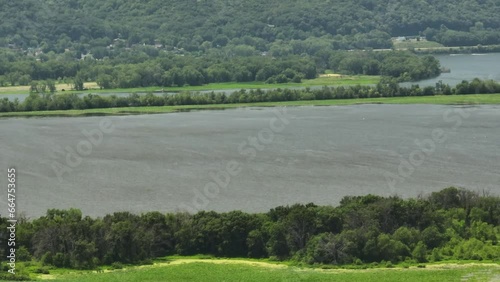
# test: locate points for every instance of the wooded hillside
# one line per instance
(198, 24)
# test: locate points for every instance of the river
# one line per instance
(205, 160)
(465, 67)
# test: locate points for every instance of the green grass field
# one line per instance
(250, 270)
(417, 44)
(440, 100)
(320, 81)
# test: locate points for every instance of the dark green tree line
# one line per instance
(451, 224)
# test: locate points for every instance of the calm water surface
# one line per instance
(466, 67)
(163, 162)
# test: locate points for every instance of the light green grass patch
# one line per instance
(417, 44)
(241, 270)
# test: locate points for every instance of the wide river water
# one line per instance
(164, 162)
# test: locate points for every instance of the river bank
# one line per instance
(477, 99)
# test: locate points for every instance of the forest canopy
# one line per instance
(199, 24)
(130, 44)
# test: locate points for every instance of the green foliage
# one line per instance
(117, 265)
(42, 270)
(243, 26)
(277, 244)
(361, 229)
(47, 259)
(436, 255)
(387, 88)
(390, 249)
(408, 236)
(432, 237)
(23, 254)
(141, 67)
(420, 252)
(78, 83)
(327, 248)
(59, 260)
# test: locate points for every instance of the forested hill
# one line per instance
(197, 24)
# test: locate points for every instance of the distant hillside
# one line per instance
(200, 24)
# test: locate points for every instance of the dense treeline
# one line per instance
(195, 25)
(474, 36)
(142, 68)
(387, 88)
(450, 224)
(459, 50)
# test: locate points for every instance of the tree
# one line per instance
(78, 83)
(105, 81)
(420, 252)
(432, 237)
(13, 78)
(192, 76)
(328, 248)
(161, 233)
(408, 236)
(390, 249)
(83, 255)
(277, 244)
(256, 244)
(483, 232)
(23, 254)
(299, 224)
(51, 85)
(24, 79)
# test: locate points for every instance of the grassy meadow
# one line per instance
(193, 269)
(23, 89)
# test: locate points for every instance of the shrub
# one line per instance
(23, 254)
(420, 252)
(47, 259)
(42, 270)
(147, 262)
(436, 255)
(58, 260)
(116, 265)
